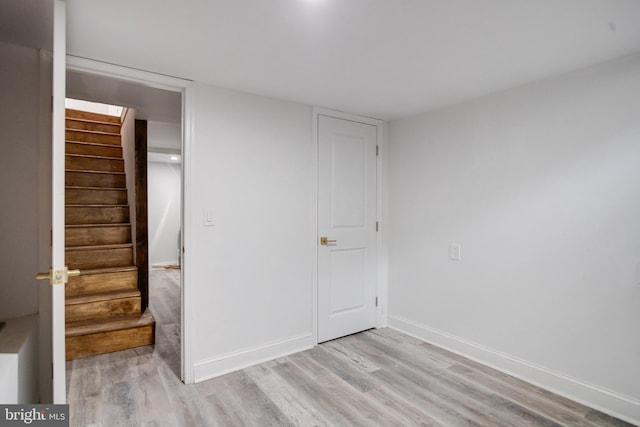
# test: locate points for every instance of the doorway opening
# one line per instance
(161, 110)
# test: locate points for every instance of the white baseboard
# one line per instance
(234, 361)
(607, 401)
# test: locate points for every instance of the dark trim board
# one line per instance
(142, 226)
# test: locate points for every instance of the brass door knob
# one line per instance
(324, 241)
(57, 277)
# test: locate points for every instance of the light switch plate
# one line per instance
(209, 218)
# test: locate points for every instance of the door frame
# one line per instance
(381, 284)
(187, 89)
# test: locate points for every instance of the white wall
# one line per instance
(94, 107)
(128, 142)
(164, 135)
(250, 277)
(19, 133)
(164, 183)
(163, 186)
(541, 187)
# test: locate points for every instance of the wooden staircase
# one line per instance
(103, 305)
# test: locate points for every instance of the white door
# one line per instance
(57, 179)
(347, 252)
(51, 309)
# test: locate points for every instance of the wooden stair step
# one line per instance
(93, 149)
(89, 338)
(102, 305)
(97, 234)
(95, 195)
(96, 214)
(94, 117)
(95, 179)
(102, 280)
(92, 136)
(88, 257)
(93, 163)
(93, 125)
(95, 297)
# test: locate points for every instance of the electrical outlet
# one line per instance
(455, 252)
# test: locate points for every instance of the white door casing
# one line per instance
(187, 88)
(347, 213)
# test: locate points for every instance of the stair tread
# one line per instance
(99, 247)
(101, 296)
(92, 171)
(91, 156)
(75, 205)
(88, 142)
(80, 119)
(103, 270)
(78, 187)
(84, 327)
(117, 224)
(94, 132)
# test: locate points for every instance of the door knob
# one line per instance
(57, 277)
(324, 241)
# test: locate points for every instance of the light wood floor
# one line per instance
(375, 378)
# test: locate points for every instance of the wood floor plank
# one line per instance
(566, 405)
(338, 390)
(360, 381)
(286, 398)
(377, 378)
(320, 394)
(249, 402)
(351, 357)
(410, 414)
(489, 404)
(528, 400)
(423, 392)
(188, 407)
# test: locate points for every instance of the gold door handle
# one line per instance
(58, 277)
(43, 276)
(324, 241)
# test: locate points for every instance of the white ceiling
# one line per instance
(149, 103)
(381, 58)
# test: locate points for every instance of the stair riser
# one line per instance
(87, 179)
(92, 236)
(107, 342)
(92, 196)
(103, 282)
(96, 117)
(85, 136)
(94, 164)
(77, 215)
(102, 309)
(99, 258)
(93, 149)
(92, 126)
